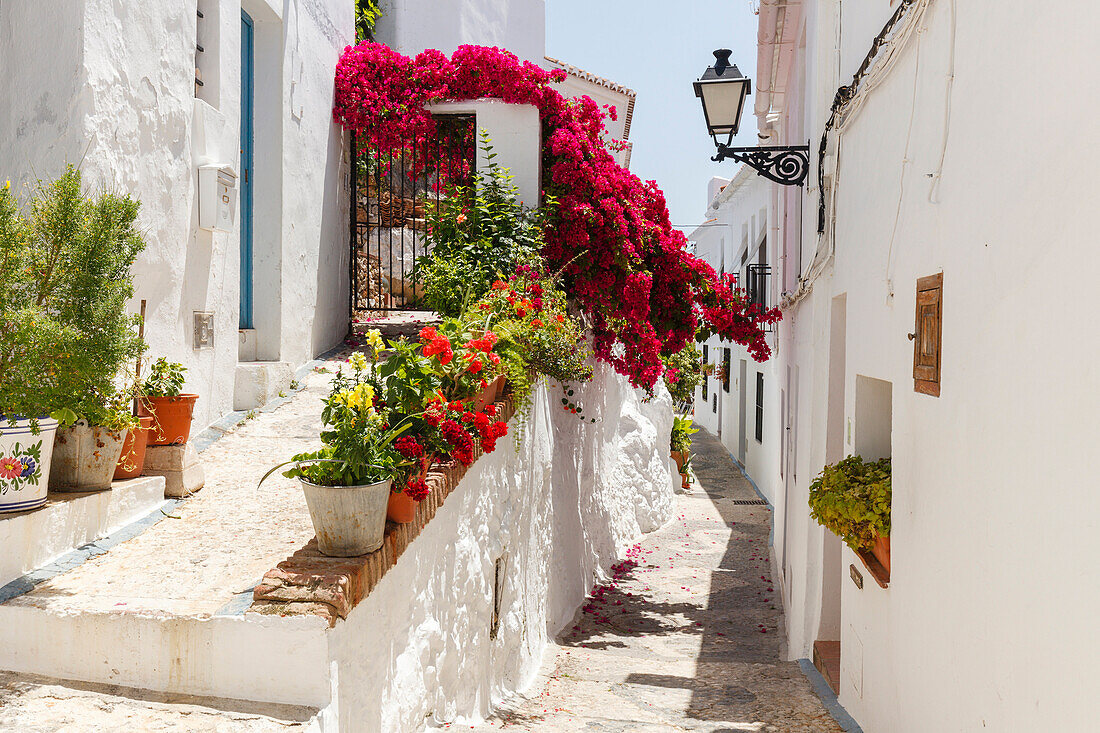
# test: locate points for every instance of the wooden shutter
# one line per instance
(927, 331)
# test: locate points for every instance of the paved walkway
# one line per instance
(219, 543)
(686, 636)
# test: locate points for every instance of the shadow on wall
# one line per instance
(332, 318)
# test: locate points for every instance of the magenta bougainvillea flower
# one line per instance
(624, 264)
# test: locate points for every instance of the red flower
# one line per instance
(475, 366)
(560, 317)
(407, 446)
(417, 489)
(499, 285)
(536, 323)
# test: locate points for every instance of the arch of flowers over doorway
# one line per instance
(624, 264)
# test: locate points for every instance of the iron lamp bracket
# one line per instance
(784, 164)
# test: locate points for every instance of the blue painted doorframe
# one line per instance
(247, 76)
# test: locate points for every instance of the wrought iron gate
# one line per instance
(395, 191)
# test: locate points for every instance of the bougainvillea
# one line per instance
(624, 264)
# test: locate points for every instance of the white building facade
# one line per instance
(738, 401)
(938, 318)
(155, 100)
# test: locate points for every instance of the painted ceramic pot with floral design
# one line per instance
(25, 457)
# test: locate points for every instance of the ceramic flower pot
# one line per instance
(85, 457)
(401, 509)
(25, 460)
(349, 520)
(172, 418)
(132, 460)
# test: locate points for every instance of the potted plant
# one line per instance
(87, 452)
(66, 280)
(682, 430)
(852, 500)
(171, 410)
(347, 481)
(410, 386)
(31, 352)
(131, 462)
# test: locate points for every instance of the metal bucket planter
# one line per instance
(84, 458)
(25, 463)
(349, 520)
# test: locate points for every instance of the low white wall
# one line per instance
(561, 509)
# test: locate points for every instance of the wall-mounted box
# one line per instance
(217, 197)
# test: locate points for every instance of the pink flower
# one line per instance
(10, 468)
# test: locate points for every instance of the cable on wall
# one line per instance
(880, 59)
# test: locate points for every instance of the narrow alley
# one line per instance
(686, 635)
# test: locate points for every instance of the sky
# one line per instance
(658, 49)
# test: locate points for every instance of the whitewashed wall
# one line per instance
(561, 509)
(736, 223)
(988, 622)
(410, 26)
(110, 86)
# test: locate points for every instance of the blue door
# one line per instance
(247, 75)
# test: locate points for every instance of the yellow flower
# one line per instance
(358, 361)
(362, 398)
(341, 397)
(7, 185)
(374, 339)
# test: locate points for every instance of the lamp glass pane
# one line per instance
(723, 103)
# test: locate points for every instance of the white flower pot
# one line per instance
(84, 458)
(24, 486)
(349, 520)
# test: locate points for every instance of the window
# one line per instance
(926, 335)
(759, 407)
(714, 408)
(726, 371)
(706, 379)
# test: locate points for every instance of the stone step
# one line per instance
(34, 703)
(36, 538)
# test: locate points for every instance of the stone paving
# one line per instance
(686, 636)
(218, 544)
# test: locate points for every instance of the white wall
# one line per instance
(410, 26)
(110, 86)
(561, 509)
(736, 223)
(988, 620)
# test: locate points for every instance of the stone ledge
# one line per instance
(309, 583)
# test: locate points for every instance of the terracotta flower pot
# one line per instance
(132, 460)
(680, 456)
(401, 509)
(881, 551)
(172, 418)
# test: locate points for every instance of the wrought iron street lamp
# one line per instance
(722, 90)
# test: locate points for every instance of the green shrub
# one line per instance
(682, 429)
(65, 335)
(165, 379)
(476, 235)
(852, 500)
(684, 374)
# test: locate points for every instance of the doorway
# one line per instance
(826, 656)
(742, 441)
(247, 141)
